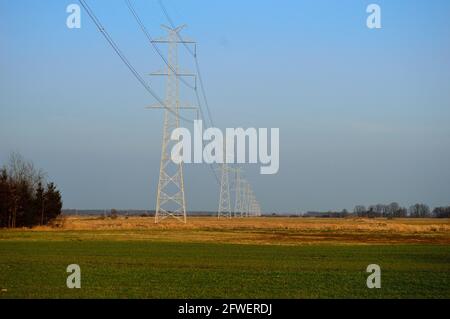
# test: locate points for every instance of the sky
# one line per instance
(363, 113)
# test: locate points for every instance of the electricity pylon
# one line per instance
(238, 198)
(224, 197)
(170, 200)
(253, 206)
(249, 200)
(246, 203)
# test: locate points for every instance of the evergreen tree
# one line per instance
(39, 204)
(53, 203)
(23, 200)
(4, 198)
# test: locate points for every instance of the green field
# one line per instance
(152, 269)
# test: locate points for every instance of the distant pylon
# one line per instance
(170, 200)
(224, 198)
(238, 198)
(246, 202)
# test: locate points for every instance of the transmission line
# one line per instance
(155, 47)
(194, 54)
(224, 181)
(158, 51)
(124, 59)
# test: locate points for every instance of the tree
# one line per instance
(391, 210)
(5, 197)
(25, 214)
(53, 203)
(23, 200)
(376, 210)
(39, 203)
(401, 212)
(441, 212)
(344, 213)
(360, 211)
(20, 170)
(419, 211)
(114, 214)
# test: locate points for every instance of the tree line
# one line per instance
(26, 199)
(392, 210)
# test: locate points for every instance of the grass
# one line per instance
(267, 231)
(269, 262)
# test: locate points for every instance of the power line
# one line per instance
(194, 54)
(199, 74)
(202, 86)
(124, 59)
(136, 74)
(158, 51)
(155, 47)
(203, 89)
(170, 200)
(172, 25)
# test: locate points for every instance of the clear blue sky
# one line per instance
(363, 114)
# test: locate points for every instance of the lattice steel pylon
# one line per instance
(246, 196)
(170, 200)
(238, 198)
(224, 197)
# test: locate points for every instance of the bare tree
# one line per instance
(442, 212)
(20, 170)
(359, 210)
(392, 209)
(378, 210)
(24, 200)
(419, 210)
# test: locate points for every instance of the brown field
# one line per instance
(265, 230)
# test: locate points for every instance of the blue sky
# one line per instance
(363, 114)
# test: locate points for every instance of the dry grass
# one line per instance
(323, 224)
(268, 230)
